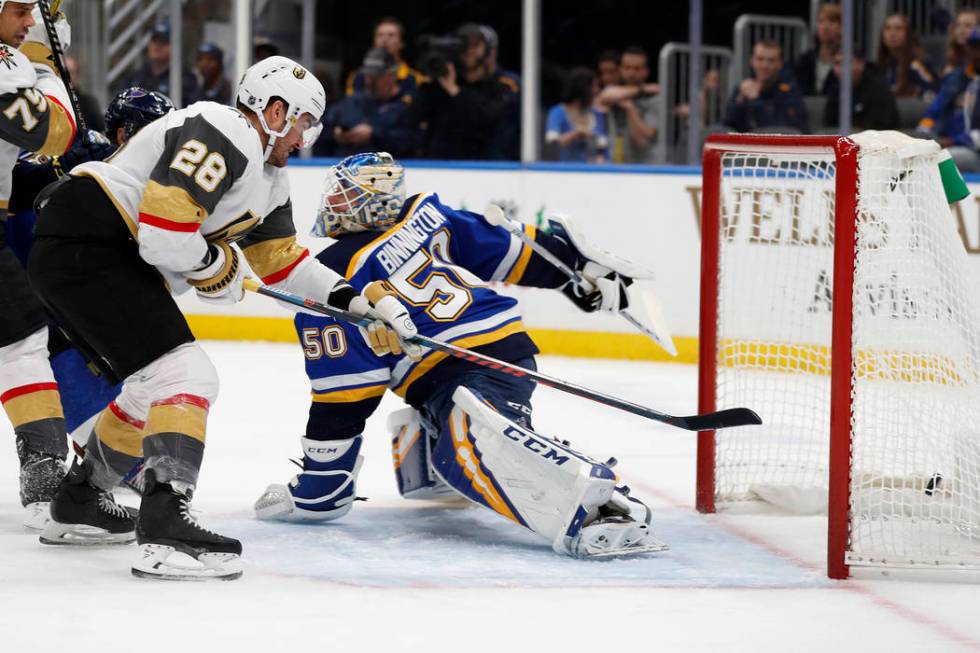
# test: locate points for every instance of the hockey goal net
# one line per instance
(838, 302)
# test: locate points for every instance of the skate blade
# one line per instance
(625, 541)
(37, 515)
(162, 562)
(654, 547)
(82, 535)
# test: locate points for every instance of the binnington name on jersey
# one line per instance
(403, 244)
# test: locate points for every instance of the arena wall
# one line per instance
(648, 214)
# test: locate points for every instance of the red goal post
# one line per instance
(809, 358)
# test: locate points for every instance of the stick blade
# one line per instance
(722, 419)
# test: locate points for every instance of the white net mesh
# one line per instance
(915, 492)
(774, 320)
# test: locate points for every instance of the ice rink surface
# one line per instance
(412, 576)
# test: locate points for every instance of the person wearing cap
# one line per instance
(508, 139)
(953, 117)
(155, 73)
(374, 118)
(215, 87)
(389, 34)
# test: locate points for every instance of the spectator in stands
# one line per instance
(155, 73)
(900, 58)
(953, 118)
(211, 68)
(375, 118)
(90, 107)
(608, 69)
(462, 109)
(712, 102)
(264, 48)
(574, 126)
(873, 105)
(813, 68)
(959, 31)
(508, 139)
(769, 98)
(389, 34)
(633, 108)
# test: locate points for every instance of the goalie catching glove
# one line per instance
(392, 326)
(600, 288)
(219, 277)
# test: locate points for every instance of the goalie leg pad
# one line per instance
(411, 450)
(323, 491)
(530, 479)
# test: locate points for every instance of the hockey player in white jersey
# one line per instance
(35, 115)
(469, 430)
(176, 208)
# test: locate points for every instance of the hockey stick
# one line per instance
(495, 216)
(707, 422)
(48, 13)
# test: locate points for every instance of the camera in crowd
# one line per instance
(438, 52)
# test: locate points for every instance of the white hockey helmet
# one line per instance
(21, 2)
(281, 77)
(364, 192)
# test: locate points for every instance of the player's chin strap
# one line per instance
(273, 135)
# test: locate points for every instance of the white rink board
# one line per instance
(650, 217)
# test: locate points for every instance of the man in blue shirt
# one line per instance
(769, 98)
(374, 118)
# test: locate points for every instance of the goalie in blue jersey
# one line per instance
(468, 429)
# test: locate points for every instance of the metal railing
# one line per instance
(128, 24)
(793, 34)
(674, 68)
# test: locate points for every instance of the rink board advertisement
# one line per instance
(651, 216)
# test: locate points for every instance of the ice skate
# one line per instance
(40, 474)
(83, 514)
(173, 546)
(616, 531)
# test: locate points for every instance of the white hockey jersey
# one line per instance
(35, 113)
(196, 176)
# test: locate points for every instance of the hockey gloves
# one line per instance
(218, 280)
(391, 326)
(601, 289)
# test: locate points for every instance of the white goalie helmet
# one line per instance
(364, 192)
(284, 78)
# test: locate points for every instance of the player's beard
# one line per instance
(280, 154)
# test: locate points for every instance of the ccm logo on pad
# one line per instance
(540, 447)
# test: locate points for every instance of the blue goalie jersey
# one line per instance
(439, 260)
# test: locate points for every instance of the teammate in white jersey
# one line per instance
(175, 208)
(35, 115)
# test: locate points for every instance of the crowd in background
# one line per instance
(901, 88)
(459, 103)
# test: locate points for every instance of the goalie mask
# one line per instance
(283, 78)
(364, 192)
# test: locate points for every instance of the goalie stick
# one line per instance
(48, 13)
(706, 422)
(495, 216)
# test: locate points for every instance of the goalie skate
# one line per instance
(616, 533)
(165, 562)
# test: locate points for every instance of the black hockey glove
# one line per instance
(602, 290)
